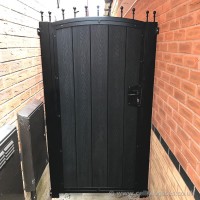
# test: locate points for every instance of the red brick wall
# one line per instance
(176, 105)
(165, 181)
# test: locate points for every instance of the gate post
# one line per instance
(55, 159)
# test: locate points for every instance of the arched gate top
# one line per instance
(100, 21)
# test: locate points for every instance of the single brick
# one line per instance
(188, 87)
(185, 112)
(193, 104)
(185, 47)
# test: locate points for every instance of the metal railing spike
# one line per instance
(133, 10)
(49, 16)
(98, 11)
(154, 15)
(86, 11)
(109, 10)
(121, 8)
(41, 12)
(74, 12)
(63, 13)
(147, 15)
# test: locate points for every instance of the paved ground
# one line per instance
(102, 196)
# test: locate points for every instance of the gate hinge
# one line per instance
(38, 31)
(157, 30)
(33, 195)
(50, 193)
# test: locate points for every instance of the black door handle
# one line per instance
(134, 95)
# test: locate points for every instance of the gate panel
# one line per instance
(81, 50)
(98, 133)
(116, 73)
(133, 68)
(66, 80)
(99, 65)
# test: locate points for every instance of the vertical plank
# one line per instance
(66, 82)
(133, 53)
(99, 54)
(81, 48)
(116, 70)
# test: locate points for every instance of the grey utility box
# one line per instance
(33, 143)
(11, 186)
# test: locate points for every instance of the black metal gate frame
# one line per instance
(52, 101)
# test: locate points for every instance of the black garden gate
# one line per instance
(98, 80)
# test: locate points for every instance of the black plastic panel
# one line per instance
(11, 186)
(116, 79)
(97, 140)
(33, 143)
(99, 65)
(66, 78)
(81, 48)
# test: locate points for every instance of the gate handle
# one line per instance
(134, 95)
